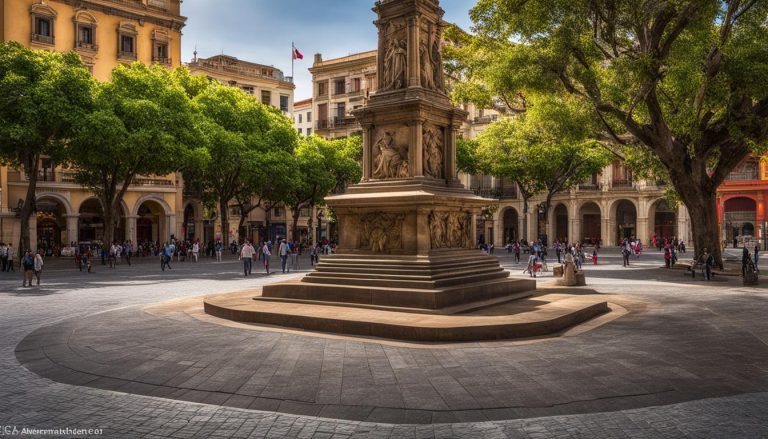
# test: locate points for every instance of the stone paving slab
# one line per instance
(29, 400)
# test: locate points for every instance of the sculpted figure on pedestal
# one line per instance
(437, 229)
(433, 151)
(395, 61)
(390, 161)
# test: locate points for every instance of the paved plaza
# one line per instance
(689, 359)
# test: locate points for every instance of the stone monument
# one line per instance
(410, 213)
(407, 266)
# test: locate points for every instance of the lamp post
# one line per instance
(320, 216)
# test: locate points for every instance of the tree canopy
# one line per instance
(43, 95)
(686, 80)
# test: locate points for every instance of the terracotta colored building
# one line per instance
(741, 203)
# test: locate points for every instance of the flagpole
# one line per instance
(293, 59)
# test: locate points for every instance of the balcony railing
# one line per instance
(336, 122)
(127, 55)
(86, 46)
(590, 187)
(743, 176)
(161, 60)
(496, 192)
(486, 119)
(622, 183)
(45, 39)
(152, 182)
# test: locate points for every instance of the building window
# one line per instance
(341, 110)
(277, 212)
(309, 116)
(42, 31)
(85, 36)
(266, 97)
(338, 87)
(161, 53)
(126, 41)
(300, 118)
(299, 131)
(309, 132)
(356, 83)
(284, 103)
(322, 89)
(248, 90)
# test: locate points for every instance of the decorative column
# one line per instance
(417, 151)
(414, 65)
(366, 153)
(130, 226)
(170, 227)
(72, 229)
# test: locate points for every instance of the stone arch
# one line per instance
(623, 219)
(590, 217)
(663, 216)
(510, 223)
(192, 220)
(150, 197)
(90, 222)
(52, 213)
(59, 198)
(740, 218)
(85, 17)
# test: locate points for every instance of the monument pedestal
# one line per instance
(407, 231)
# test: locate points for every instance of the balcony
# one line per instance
(129, 56)
(322, 97)
(748, 175)
(336, 122)
(153, 182)
(161, 60)
(622, 184)
(81, 45)
(354, 93)
(486, 119)
(43, 39)
(590, 187)
(502, 193)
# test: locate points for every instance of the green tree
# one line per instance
(243, 139)
(322, 166)
(548, 149)
(686, 79)
(42, 95)
(141, 126)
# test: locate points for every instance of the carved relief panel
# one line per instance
(381, 232)
(395, 55)
(433, 151)
(390, 153)
(450, 229)
(430, 57)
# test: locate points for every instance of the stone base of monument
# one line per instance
(435, 298)
(577, 280)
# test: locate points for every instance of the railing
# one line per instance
(153, 182)
(245, 70)
(622, 183)
(496, 192)
(86, 46)
(322, 97)
(161, 60)
(336, 122)
(486, 119)
(126, 55)
(354, 93)
(45, 39)
(743, 176)
(589, 187)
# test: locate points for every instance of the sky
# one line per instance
(261, 31)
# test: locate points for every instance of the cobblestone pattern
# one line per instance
(29, 400)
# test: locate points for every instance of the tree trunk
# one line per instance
(310, 232)
(706, 230)
(224, 213)
(109, 222)
(29, 207)
(295, 225)
(525, 219)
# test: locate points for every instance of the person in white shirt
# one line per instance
(265, 251)
(246, 254)
(38, 266)
(195, 250)
(284, 251)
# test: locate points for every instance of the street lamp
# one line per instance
(320, 216)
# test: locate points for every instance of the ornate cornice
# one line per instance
(170, 21)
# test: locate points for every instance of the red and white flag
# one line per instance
(297, 54)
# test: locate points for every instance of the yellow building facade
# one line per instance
(105, 33)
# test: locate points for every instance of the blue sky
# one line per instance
(262, 30)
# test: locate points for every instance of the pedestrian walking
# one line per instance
(28, 265)
(744, 260)
(11, 252)
(246, 254)
(709, 261)
(195, 250)
(625, 252)
(265, 251)
(757, 252)
(517, 253)
(3, 257)
(219, 246)
(594, 257)
(165, 257)
(284, 251)
(38, 266)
